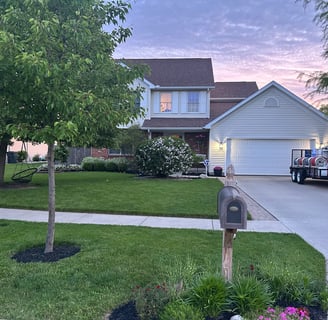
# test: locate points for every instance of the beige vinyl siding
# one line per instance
(255, 121)
(216, 155)
(287, 121)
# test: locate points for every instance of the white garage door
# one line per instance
(264, 157)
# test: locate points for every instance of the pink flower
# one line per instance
(291, 310)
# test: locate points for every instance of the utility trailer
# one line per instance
(307, 163)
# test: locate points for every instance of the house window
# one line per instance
(193, 101)
(137, 103)
(166, 102)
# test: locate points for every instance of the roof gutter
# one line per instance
(157, 87)
(173, 128)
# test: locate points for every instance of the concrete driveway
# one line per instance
(301, 208)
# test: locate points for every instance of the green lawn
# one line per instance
(113, 260)
(117, 193)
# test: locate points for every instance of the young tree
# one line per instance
(69, 88)
(129, 139)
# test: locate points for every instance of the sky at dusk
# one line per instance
(248, 40)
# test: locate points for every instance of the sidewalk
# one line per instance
(133, 220)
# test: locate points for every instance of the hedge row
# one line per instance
(98, 164)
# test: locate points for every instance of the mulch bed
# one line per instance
(125, 311)
(37, 254)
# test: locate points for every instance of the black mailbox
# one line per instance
(232, 209)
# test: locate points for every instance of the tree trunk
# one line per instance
(51, 199)
(3, 151)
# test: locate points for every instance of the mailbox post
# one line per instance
(232, 210)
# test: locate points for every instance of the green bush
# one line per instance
(36, 157)
(93, 164)
(197, 161)
(164, 156)
(289, 288)
(132, 167)
(99, 164)
(324, 299)
(209, 295)
(22, 155)
(110, 166)
(87, 164)
(61, 153)
(121, 164)
(247, 294)
(179, 310)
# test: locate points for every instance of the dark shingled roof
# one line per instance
(217, 108)
(163, 123)
(190, 72)
(226, 90)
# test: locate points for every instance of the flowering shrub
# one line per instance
(289, 313)
(150, 300)
(164, 156)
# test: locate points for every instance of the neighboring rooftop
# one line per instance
(182, 72)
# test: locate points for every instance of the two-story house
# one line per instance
(177, 99)
(228, 122)
(181, 97)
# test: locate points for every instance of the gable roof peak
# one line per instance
(261, 91)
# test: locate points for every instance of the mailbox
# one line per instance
(232, 209)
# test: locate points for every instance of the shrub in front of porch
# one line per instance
(163, 156)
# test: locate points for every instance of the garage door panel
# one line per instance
(263, 157)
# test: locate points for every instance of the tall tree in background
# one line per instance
(8, 98)
(68, 88)
(319, 80)
(324, 109)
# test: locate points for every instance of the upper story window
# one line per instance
(193, 102)
(166, 102)
(137, 102)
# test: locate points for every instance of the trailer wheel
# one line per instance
(300, 177)
(293, 175)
